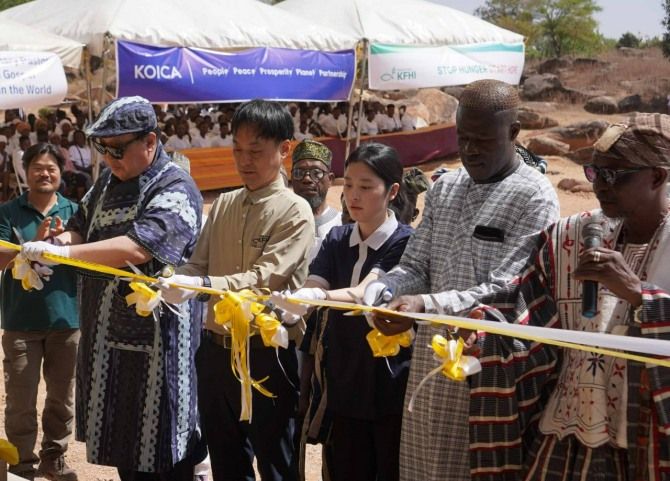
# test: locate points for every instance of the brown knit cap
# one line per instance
(643, 139)
(490, 95)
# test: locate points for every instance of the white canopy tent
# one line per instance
(214, 24)
(16, 36)
(417, 44)
(400, 22)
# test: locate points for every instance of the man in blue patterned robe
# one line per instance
(136, 381)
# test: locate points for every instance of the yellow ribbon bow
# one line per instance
(235, 311)
(385, 346)
(454, 365)
(144, 298)
(272, 332)
(8, 452)
(30, 277)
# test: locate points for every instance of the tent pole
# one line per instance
(350, 119)
(105, 54)
(364, 78)
(87, 76)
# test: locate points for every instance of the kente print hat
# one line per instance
(312, 150)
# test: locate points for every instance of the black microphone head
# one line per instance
(592, 233)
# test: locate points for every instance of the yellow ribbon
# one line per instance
(144, 298)
(30, 274)
(385, 346)
(271, 330)
(235, 311)
(8, 452)
(455, 365)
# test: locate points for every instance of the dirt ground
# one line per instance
(559, 168)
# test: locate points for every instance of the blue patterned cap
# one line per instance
(124, 115)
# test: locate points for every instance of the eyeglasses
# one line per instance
(119, 151)
(315, 174)
(611, 176)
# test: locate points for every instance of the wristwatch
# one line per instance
(203, 296)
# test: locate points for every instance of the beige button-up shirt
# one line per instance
(256, 239)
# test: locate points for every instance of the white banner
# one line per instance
(31, 79)
(398, 67)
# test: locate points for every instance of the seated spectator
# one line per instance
(407, 122)
(302, 132)
(333, 124)
(390, 122)
(224, 139)
(80, 153)
(368, 124)
(202, 139)
(180, 140)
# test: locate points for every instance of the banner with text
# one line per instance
(191, 75)
(394, 67)
(31, 79)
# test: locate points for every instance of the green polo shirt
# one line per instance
(55, 306)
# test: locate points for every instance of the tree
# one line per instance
(551, 27)
(514, 15)
(628, 40)
(568, 26)
(5, 4)
(665, 43)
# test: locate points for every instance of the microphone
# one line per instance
(592, 233)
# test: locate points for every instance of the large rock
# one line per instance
(587, 62)
(601, 105)
(533, 121)
(579, 135)
(631, 103)
(574, 185)
(544, 145)
(541, 87)
(440, 106)
(553, 65)
(539, 107)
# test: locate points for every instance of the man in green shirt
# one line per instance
(40, 326)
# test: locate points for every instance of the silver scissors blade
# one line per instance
(18, 235)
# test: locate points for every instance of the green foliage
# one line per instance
(665, 43)
(552, 27)
(628, 40)
(5, 4)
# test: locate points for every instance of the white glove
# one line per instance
(33, 251)
(178, 295)
(310, 294)
(291, 312)
(376, 294)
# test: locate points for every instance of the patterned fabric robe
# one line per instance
(136, 399)
(448, 257)
(518, 377)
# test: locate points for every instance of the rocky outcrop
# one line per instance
(541, 87)
(544, 145)
(533, 121)
(602, 105)
(579, 135)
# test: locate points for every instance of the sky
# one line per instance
(641, 17)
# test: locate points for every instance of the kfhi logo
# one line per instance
(399, 74)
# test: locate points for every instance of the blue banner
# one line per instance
(191, 75)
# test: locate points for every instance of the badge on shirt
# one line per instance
(260, 241)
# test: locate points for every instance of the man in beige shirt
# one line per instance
(257, 236)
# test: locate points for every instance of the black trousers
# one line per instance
(365, 450)
(270, 435)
